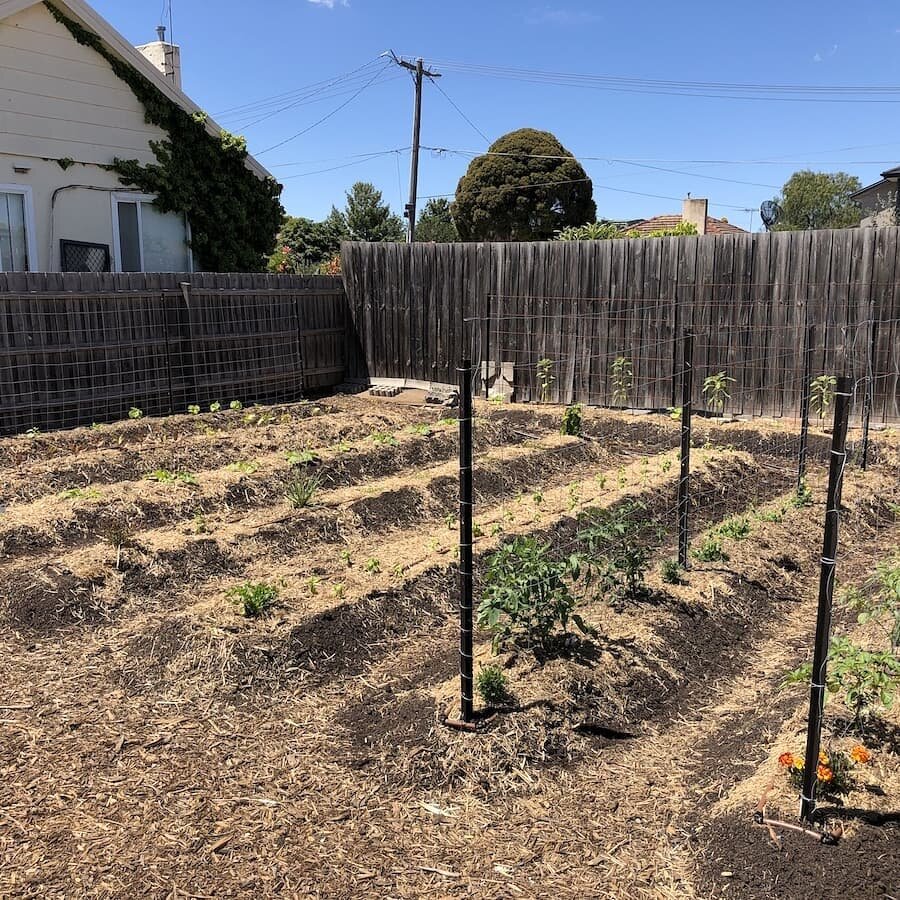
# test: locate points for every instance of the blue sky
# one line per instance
(245, 54)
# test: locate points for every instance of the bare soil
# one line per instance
(154, 742)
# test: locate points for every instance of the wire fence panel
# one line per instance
(88, 347)
(749, 298)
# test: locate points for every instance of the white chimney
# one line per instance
(164, 56)
(695, 211)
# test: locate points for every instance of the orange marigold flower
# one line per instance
(824, 774)
(860, 754)
(823, 758)
(786, 760)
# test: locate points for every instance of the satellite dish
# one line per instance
(770, 213)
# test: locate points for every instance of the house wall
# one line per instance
(62, 101)
(879, 206)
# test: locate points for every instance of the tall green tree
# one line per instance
(311, 243)
(436, 222)
(366, 217)
(527, 187)
(818, 200)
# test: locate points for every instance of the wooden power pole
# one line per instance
(420, 73)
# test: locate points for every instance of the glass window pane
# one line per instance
(165, 240)
(129, 238)
(13, 246)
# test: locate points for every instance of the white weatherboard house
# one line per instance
(64, 115)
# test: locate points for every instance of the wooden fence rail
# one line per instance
(418, 309)
(80, 348)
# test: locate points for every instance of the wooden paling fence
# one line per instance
(80, 348)
(750, 299)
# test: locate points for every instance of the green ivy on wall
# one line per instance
(234, 215)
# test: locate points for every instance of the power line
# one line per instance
(324, 118)
(467, 119)
(716, 90)
(347, 165)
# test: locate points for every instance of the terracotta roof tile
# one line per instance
(658, 223)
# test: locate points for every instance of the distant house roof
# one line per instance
(665, 222)
(889, 176)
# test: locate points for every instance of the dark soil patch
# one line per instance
(864, 864)
(149, 653)
(50, 600)
(391, 509)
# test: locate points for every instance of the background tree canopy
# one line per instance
(436, 222)
(523, 196)
(367, 218)
(818, 200)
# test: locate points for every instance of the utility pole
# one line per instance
(420, 72)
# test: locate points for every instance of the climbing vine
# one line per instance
(234, 215)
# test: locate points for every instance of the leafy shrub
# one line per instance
(671, 571)
(616, 558)
(715, 389)
(711, 551)
(573, 420)
(622, 375)
(301, 489)
(546, 378)
(867, 680)
(821, 394)
(527, 594)
(254, 598)
(736, 528)
(491, 685)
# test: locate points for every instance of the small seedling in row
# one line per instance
(135, 413)
(537, 498)
(32, 432)
(194, 410)
(303, 457)
(384, 438)
(497, 399)
(574, 495)
(200, 525)
(496, 529)
(623, 478)
(312, 584)
(81, 494)
(164, 476)
(737, 528)
(545, 378)
(675, 413)
(711, 551)
(715, 389)
(601, 480)
(96, 426)
(338, 591)
(399, 570)
(491, 685)
(771, 515)
(372, 566)
(573, 420)
(343, 447)
(803, 497)
(671, 571)
(347, 558)
(622, 374)
(477, 531)
(215, 406)
(666, 465)
(451, 521)
(244, 466)
(422, 429)
(236, 405)
(253, 598)
(448, 422)
(301, 489)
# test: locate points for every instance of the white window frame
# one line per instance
(31, 247)
(129, 197)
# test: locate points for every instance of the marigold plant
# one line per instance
(834, 771)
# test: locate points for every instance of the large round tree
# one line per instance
(525, 188)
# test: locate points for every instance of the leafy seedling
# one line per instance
(491, 685)
(236, 405)
(301, 489)
(254, 598)
(372, 566)
(545, 378)
(736, 528)
(303, 457)
(715, 390)
(711, 551)
(573, 420)
(194, 410)
(215, 406)
(671, 571)
(384, 438)
(244, 466)
(135, 413)
(622, 375)
(821, 394)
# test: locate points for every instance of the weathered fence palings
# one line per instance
(79, 348)
(581, 304)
